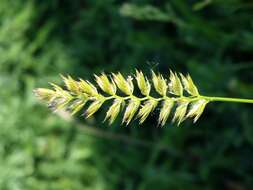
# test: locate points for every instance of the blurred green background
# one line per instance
(210, 39)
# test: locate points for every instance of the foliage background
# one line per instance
(212, 40)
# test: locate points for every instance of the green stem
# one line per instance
(224, 99)
(150, 97)
(191, 99)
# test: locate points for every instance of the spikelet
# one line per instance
(124, 85)
(143, 83)
(189, 86)
(88, 88)
(175, 85)
(77, 105)
(146, 109)
(113, 111)
(160, 84)
(165, 111)
(44, 94)
(180, 112)
(93, 108)
(197, 109)
(171, 94)
(105, 84)
(70, 84)
(131, 109)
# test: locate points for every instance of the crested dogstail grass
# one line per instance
(178, 92)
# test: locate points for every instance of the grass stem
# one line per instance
(224, 99)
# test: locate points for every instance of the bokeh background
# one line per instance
(210, 39)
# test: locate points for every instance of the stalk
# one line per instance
(225, 99)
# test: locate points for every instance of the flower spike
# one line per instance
(177, 93)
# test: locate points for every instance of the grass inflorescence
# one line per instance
(177, 94)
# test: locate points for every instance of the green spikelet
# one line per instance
(178, 93)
